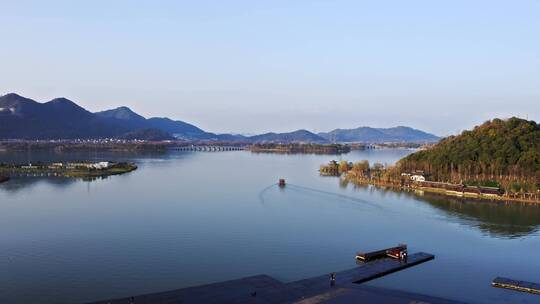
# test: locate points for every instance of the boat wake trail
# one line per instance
(263, 191)
(338, 195)
(303, 189)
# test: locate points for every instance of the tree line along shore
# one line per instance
(301, 148)
(61, 146)
(362, 173)
(116, 145)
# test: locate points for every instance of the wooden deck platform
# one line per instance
(263, 289)
(365, 272)
(379, 268)
(516, 285)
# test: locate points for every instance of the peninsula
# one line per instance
(499, 159)
(69, 169)
(300, 148)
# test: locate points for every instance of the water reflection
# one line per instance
(509, 220)
(15, 185)
(332, 195)
(499, 219)
(18, 184)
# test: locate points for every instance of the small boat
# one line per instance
(281, 182)
(4, 179)
(398, 252)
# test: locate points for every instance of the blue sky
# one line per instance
(256, 66)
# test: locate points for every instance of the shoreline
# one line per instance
(66, 147)
(330, 149)
(80, 170)
(418, 190)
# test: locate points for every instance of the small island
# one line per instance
(66, 169)
(499, 160)
(300, 148)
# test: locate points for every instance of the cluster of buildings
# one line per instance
(80, 165)
(419, 179)
(98, 166)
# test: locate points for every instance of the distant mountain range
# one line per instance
(295, 136)
(60, 118)
(125, 117)
(379, 135)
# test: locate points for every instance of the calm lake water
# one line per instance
(188, 218)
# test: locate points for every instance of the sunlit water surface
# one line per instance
(188, 218)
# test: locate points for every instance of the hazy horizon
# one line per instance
(246, 67)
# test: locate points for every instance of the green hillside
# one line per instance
(503, 152)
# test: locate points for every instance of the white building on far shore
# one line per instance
(418, 178)
(101, 165)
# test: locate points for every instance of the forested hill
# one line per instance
(506, 151)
